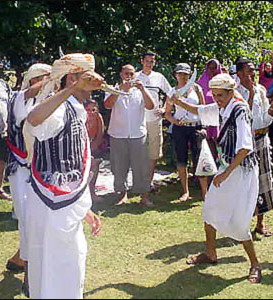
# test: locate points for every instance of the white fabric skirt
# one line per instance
(18, 183)
(230, 207)
(56, 248)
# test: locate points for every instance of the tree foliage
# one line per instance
(118, 31)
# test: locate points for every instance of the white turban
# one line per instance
(67, 64)
(222, 81)
(35, 70)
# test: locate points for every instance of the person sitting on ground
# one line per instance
(95, 129)
(186, 128)
(231, 199)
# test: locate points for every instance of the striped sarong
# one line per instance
(265, 197)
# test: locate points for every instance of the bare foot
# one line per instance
(185, 197)
(122, 198)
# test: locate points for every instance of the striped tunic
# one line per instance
(15, 140)
(61, 164)
(228, 137)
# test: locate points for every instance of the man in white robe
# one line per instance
(20, 103)
(58, 193)
(231, 199)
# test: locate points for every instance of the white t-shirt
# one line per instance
(182, 114)
(261, 118)
(128, 116)
(152, 81)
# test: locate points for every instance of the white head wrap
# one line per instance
(67, 64)
(222, 81)
(35, 70)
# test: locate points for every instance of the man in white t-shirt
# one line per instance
(128, 136)
(155, 82)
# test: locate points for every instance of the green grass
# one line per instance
(141, 254)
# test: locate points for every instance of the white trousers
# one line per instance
(18, 183)
(56, 248)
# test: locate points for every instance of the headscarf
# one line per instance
(67, 64)
(204, 79)
(212, 131)
(222, 81)
(35, 70)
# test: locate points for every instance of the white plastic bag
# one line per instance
(206, 165)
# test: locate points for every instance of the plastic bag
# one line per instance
(206, 165)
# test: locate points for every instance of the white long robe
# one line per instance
(18, 180)
(57, 246)
(230, 207)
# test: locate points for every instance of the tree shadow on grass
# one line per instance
(10, 286)
(175, 253)
(164, 202)
(267, 279)
(187, 284)
(7, 223)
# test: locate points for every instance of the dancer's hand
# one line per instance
(218, 179)
(94, 222)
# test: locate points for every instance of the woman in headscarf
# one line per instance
(213, 67)
(266, 71)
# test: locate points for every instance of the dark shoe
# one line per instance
(25, 289)
(255, 274)
(11, 266)
(201, 259)
(265, 232)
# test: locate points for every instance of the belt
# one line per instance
(261, 131)
(190, 124)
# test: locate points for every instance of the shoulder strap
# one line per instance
(228, 122)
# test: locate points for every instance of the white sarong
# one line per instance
(57, 248)
(230, 207)
(18, 183)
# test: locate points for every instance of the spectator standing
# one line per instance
(266, 70)
(155, 82)
(128, 136)
(255, 95)
(187, 128)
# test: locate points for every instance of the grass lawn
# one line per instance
(141, 254)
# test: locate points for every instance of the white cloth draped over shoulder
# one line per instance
(230, 207)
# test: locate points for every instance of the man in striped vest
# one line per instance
(58, 194)
(20, 103)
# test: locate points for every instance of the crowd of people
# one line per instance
(52, 135)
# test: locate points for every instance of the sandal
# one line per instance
(255, 274)
(11, 266)
(265, 232)
(201, 258)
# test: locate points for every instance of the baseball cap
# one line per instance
(182, 68)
